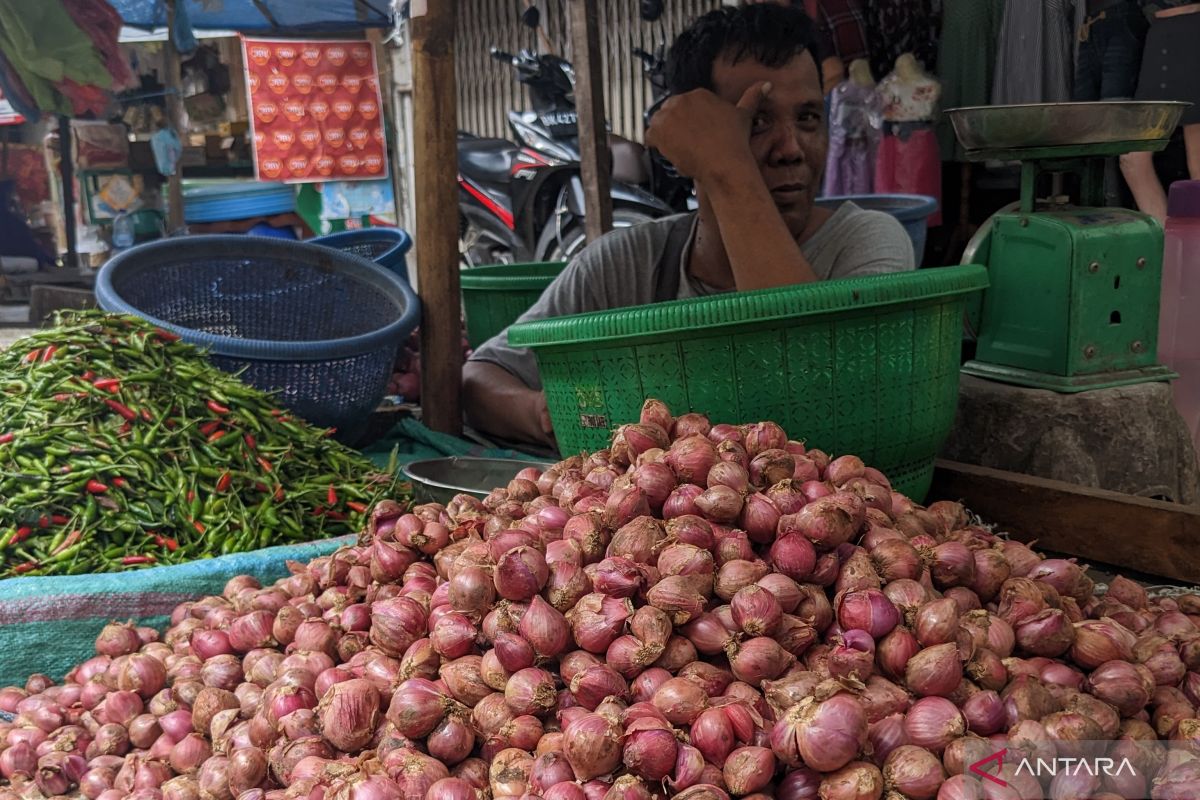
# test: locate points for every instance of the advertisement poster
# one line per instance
(316, 112)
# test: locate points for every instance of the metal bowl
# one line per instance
(1063, 124)
(437, 480)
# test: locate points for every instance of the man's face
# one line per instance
(788, 136)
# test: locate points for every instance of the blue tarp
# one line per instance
(281, 16)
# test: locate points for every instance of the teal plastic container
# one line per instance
(866, 366)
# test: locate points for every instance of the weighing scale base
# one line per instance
(1067, 384)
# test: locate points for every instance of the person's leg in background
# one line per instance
(1191, 140)
(1148, 192)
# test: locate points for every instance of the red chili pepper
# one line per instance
(125, 411)
(87, 376)
(172, 424)
(71, 539)
(207, 428)
(65, 469)
(199, 526)
(166, 541)
(275, 412)
(120, 482)
(224, 481)
(262, 487)
(262, 462)
(49, 353)
(5, 438)
(146, 415)
(106, 384)
(216, 436)
(279, 493)
(360, 508)
(331, 496)
(23, 533)
(337, 516)
(329, 432)
(59, 519)
(126, 428)
(62, 397)
(20, 569)
(43, 521)
(32, 356)
(130, 561)
(96, 487)
(250, 441)
(319, 511)
(166, 336)
(216, 407)
(191, 495)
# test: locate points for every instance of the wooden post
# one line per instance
(173, 81)
(589, 101)
(435, 144)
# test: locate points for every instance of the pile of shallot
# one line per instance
(701, 611)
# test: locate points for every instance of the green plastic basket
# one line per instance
(494, 296)
(866, 366)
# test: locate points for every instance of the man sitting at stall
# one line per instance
(746, 122)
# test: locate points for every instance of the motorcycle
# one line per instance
(525, 202)
(551, 126)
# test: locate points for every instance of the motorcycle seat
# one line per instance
(489, 159)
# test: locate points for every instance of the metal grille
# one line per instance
(488, 90)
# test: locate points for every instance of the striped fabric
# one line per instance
(1036, 53)
(843, 23)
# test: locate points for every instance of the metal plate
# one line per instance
(1063, 124)
(437, 480)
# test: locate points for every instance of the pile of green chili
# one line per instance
(122, 447)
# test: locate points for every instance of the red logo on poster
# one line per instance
(260, 138)
(335, 137)
(260, 54)
(361, 54)
(310, 138)
(284, 138)
(325, 165)
(302, 82)
(255, 81)
(344, 109)
(373, 163)
(266, 110)
(349, 163)
(336, 55)
(360, 137)
(294, 110)
(278, 82)
(298, 165)
(311, 55)
(373, 82)
(271, 167)
(368, 108)
(319, 109)
(377, 134)
(328, 82)
(353, 83)
(286, 54)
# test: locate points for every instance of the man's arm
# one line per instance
(709, 139)
(499, 403)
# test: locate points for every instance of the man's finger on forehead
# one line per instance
(753, 96)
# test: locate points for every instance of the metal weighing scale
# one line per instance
(1074, 294)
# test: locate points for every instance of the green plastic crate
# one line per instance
(494, 296)
(866, 366)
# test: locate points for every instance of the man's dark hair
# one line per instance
(768, 33)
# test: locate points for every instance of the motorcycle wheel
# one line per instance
(476, 248)
(552, 247)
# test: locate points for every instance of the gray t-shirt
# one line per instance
(619, 271)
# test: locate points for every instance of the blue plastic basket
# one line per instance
(912, 210)
(319, 326)
(387, 247)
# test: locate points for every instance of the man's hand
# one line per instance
(701, 133)
(498, 403)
